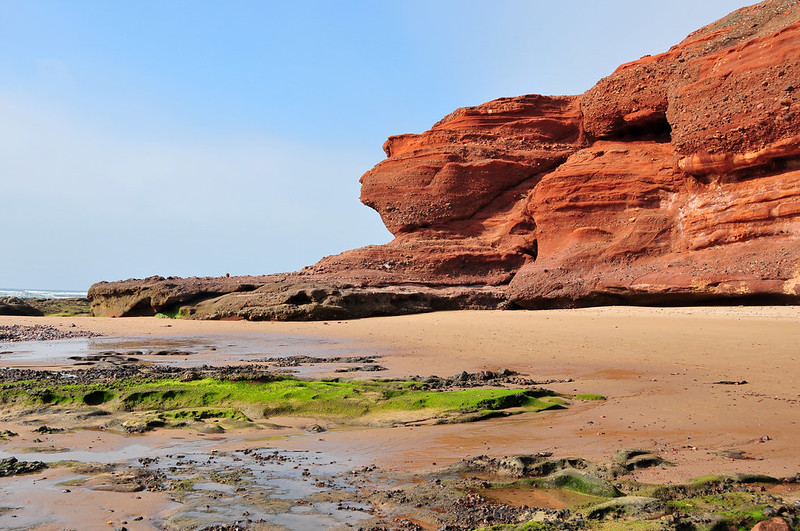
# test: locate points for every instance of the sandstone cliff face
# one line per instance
(676, 179)
(452, 176)
(689, 189)
(455, 196)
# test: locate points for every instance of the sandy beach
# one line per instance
(656, 366)
(712, 390)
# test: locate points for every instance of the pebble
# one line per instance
(14, 333)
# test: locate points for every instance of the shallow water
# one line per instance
(123, 453)
(284, 488)
(28, 354)
(276, 486)
(189, 351)
(535, 497)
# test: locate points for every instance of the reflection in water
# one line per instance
(279, 487)
(292, 489)
(179, 351)
(536, 497)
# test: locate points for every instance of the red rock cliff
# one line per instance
(675, 179)
(689, 190)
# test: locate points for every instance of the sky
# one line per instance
(199, 137)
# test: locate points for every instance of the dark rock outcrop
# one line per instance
(294, 297)
(676, 179)
(134, 297)
(17, 306)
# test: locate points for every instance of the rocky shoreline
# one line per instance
(227, 490)
(206, 467)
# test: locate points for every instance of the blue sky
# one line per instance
(203, 138)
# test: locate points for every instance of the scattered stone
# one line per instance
(93, 374)
(48, 430)
(484, 378)
(363, 368)
(189, 376)
(105, 359)
(15, 333)
(170, 352)
(296, 361)
(138, 425)
(10, 466)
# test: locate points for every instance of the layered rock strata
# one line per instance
(674, 180)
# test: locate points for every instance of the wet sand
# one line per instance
(656, 366)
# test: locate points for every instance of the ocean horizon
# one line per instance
(42, 293)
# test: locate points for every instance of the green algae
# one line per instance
(714, 502)
(708, 503)
(95, 398)
(570, 480)
(588, 397)
(174, 399)
(175, 313)
(705, 485)
(69, 307)
(579, 482)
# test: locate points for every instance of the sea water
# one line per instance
(41, 293)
